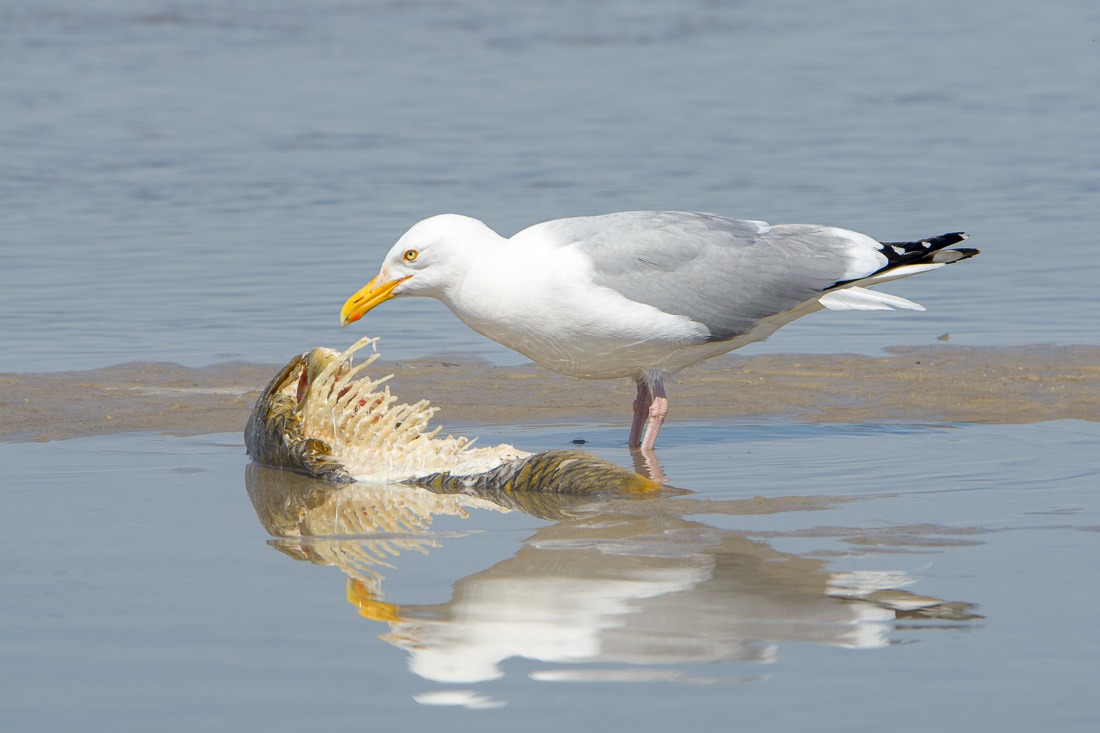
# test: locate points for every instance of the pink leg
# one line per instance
(641, 412)
(658, 408)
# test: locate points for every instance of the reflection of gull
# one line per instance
(709, 596)
(463, 698)
(545, 616)
(637, 586)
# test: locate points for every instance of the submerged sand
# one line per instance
(909, 384)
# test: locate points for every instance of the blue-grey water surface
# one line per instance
(201, 181)
(141, 594)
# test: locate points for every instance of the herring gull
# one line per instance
(642, 294)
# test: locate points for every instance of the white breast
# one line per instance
(542, 303)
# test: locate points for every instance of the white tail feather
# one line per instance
(904, 271)
(861, 299)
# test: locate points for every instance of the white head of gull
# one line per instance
(642, 294)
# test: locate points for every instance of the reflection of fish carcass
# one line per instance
(316, 521)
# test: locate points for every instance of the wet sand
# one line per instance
(909, 384)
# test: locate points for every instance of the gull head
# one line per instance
(429, 257)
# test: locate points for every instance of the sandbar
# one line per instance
(925, 384)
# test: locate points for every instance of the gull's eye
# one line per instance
(410, 255)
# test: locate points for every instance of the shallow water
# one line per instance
(144, 592)
(202, 181)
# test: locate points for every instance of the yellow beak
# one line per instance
(368, 297)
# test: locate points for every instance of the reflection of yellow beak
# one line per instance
(368, 297)
(369, 606)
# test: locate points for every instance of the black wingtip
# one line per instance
(944, 240)
(922, 250)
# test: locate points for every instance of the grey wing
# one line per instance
(726, 274)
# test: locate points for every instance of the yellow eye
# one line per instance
(410, 255)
